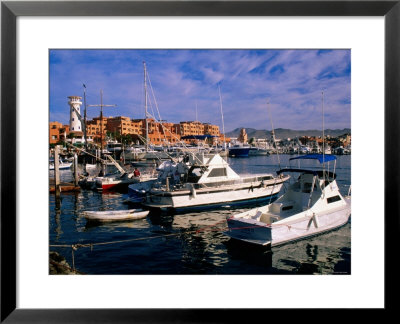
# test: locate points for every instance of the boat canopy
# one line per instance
(314, 172)
(320, 157)
(199, 137)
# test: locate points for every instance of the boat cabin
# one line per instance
(306, 191)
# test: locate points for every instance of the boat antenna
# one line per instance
(196, 111)
(145, 107)
(273, 134)
(84, 115)
(101, 105)
(222, 115)
(323, 138)
(197, 125)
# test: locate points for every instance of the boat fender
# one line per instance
(315, 220)
(193, 191)
(251, 188)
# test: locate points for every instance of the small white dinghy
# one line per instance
(116, 215)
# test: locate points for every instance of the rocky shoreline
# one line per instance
(59, 266)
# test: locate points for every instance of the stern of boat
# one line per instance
(249, 230)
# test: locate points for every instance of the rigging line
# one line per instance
(273, 135)
(174, 136)
(222, 115)
(154, 97)
(155, 102)
(82, 150)
(323, 139)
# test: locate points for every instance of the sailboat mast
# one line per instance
(84, 116)
(197, 124)
(101, 118)
(222, 116)
(273, 134)
(323, 137)
(145, 107)
(101, 121)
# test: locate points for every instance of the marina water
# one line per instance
(189, 243)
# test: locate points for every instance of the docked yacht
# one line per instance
(239, 151)
(311, 205)
(61, 165)
(206, 180)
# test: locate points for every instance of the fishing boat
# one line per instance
(90, 166)
(134, 154)
(61, 165)
(115, 215)
(312, 205)
(116, 181)
(257, 151)
(239, 151)
(202, 180)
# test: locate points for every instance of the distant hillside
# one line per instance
(283, 133)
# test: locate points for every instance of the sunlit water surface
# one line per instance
(189, 243)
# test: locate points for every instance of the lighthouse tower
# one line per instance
(75, 124)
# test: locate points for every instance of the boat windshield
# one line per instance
(194, 174)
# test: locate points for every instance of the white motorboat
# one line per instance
(202, 180)
(256, 151)
(61, 165)
(311, 205)
(90, 166)
(115, 181)
(134, 154)
(116, 215)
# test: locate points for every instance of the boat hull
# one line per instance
(211, 198)
(251, 232)
(239, 152)
(116, 216)
(279, 233)
(114, 184)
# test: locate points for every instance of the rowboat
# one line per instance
(116, 215)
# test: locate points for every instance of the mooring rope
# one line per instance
(74, 247)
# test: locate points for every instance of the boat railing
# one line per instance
(255, 179)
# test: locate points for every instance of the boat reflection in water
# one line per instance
(192, 242)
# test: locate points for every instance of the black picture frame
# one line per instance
(10, 10)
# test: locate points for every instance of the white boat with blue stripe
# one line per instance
(207, 181)
(311, 205)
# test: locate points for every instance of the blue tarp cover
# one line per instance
(319, 157)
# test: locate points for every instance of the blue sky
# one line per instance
(291, 80)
